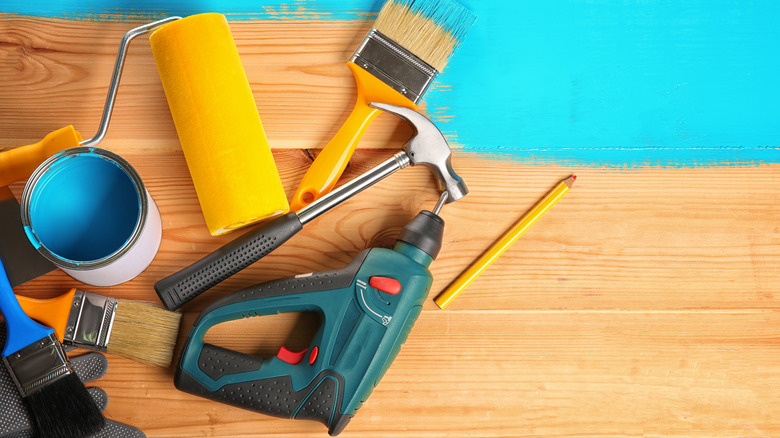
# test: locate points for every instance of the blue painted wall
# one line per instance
(617, 83)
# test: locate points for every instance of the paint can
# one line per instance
(87, 210)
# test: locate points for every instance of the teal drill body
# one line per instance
(366, 311)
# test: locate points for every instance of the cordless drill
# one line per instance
(366, 312)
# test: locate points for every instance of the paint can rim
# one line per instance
(39, 172)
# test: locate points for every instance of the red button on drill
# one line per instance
(388, 285)
(291, 357)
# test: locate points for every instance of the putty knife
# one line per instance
(22, 261)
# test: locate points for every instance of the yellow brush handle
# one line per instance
(327, 168)
(53, 312)
(18, 163)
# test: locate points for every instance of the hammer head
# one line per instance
(429, 147)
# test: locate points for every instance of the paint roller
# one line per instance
(219, 128)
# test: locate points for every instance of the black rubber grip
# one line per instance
(320, 400)
(217, 362)
(178, 289)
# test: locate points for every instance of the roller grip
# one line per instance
(180, 288)
(320, 400)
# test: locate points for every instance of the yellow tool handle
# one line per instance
(327, 168)
(52, 312)
(18, 163)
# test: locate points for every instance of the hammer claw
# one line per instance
(429, 147)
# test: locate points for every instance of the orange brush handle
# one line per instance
(52, 312)
(327, 168)
(6, 194)
(18, 163)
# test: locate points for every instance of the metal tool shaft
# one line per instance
(350, 189)
(442, 199)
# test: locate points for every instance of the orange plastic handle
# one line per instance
(327, 168)
(18, 163)
(6, 194)
(52, 312)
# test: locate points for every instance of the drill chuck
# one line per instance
(426, 232)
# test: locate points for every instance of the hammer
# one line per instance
(427, 146)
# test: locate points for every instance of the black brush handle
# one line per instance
(179, 288)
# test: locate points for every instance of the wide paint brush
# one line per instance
(409, 45)
(58, 402)
(144, 332)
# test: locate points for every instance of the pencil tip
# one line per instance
(574, 177)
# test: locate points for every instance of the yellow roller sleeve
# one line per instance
(219, 128)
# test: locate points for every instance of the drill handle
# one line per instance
(320, 400)
(290, 385)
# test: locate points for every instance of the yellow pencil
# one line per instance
(504, 242)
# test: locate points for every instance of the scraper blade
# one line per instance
(22, 261)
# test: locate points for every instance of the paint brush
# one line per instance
(410, 43)
(141, 331)
(59, 404)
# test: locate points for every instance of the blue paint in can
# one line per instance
(84, 208)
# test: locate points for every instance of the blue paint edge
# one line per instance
(245, 10)
(626, 158)
(235, 10)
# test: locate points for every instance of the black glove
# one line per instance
(15, 420)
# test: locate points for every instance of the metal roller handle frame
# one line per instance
(108, 108)
(18, 163)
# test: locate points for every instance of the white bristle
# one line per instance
(144, 332)
(431, 29)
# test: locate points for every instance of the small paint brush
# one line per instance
(141, 331)
(410, 43)
(58, 402)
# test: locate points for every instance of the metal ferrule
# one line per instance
(90, 321)
(394, 65)
(38, 364)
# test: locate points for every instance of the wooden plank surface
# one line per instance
(645, 303)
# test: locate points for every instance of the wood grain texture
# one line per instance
(645, 303)
(300, 80)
